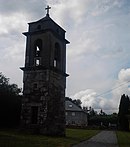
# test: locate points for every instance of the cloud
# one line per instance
(122, 83)
(29, 8)
(89, 97)
(14, 16)
(124, 75)
(104, 6)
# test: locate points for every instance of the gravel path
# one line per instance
(102, 139)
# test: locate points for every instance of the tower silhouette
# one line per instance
(44, 78)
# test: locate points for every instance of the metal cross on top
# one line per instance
(47, 8)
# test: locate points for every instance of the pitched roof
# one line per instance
(48, 20)
(47, 25)
(70, 106)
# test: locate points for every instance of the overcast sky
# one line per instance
(98, 56)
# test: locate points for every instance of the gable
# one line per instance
(70, 106)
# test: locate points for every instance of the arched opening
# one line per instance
(38, 49)
(57, 55)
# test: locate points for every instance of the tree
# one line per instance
(123, 112)
(77, 102)
(10, 103)
(91, 114)
(102, 113)
(6, 88)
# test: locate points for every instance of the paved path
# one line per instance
(103, 139)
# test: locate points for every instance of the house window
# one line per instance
(73, 113)
(70, 105)
(66, 113)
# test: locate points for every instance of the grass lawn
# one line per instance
(13, 138)
(123, 139)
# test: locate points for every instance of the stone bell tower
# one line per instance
(44, 78)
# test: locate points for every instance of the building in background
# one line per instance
(75, 116)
